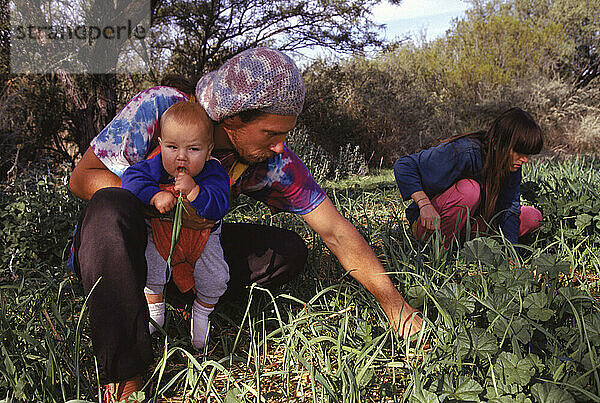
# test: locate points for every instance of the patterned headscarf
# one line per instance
(258, 78)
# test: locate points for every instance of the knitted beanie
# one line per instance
(258, 78)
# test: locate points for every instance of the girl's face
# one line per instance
(516, 160)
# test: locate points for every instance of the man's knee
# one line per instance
(111, 203)
(112, 235)
(297, 254)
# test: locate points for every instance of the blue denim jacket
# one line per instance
(434, 170)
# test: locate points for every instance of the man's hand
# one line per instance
(357, 257)
(163, 201)
(185, 184)
(405, 319)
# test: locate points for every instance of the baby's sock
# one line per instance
(157, 313)
(200, 324)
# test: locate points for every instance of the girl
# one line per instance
(474, 174)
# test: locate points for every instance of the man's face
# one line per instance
(261, 138)
(185, 146)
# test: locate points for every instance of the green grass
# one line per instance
(379, 178)
(494, 330)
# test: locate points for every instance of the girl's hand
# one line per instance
(185, 184)
(430, 219)
(163, 201)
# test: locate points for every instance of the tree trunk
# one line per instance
(93, 107)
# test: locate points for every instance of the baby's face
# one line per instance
(185, 147)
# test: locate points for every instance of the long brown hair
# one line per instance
(514, 130)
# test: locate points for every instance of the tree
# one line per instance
(191, 38)
(579, 20)
(201, 35)
(94, 96)
(42, 113)
(4, 42)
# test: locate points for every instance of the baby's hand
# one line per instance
(185, 184)
(163, 201)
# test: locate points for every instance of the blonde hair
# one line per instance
(187, 113)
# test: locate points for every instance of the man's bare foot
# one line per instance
(120, 391)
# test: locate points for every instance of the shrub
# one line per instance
(321, 164)
(366, 104)
(29, 129)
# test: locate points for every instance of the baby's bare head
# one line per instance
(189, 115)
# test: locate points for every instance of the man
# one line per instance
(254, 98)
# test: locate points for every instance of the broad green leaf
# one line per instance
(455, 300)
(520, 398)
(137, 397)
(467, 390)
(232, 396)
(484, 250)
(416, 296)
(511, 370)
(502, 302)
(546, 263)
(423, 396)
(501, 389)
(477, 341)
(537, 299)
(536, 362)
(582, 221)
(519, 328)
(536, 304)
(550, 393)
(364, 330)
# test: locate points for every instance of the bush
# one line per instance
(30, 130)
(501, 55)
(363, 103)
(321, 164)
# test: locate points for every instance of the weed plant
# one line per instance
(349, 161)
(501, 326)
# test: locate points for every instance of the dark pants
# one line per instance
(110, 245)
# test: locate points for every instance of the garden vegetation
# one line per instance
(503, 323)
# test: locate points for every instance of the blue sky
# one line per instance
(412, 17)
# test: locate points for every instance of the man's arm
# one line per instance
(356, 256)
(90, 175)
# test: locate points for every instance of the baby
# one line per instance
(186, 142)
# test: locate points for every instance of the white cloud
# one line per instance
(412, 9)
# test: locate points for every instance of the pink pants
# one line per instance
(452, 207)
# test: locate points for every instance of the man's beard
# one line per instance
(250, 159)
(246, 157)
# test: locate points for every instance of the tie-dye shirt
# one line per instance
(282, 182)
